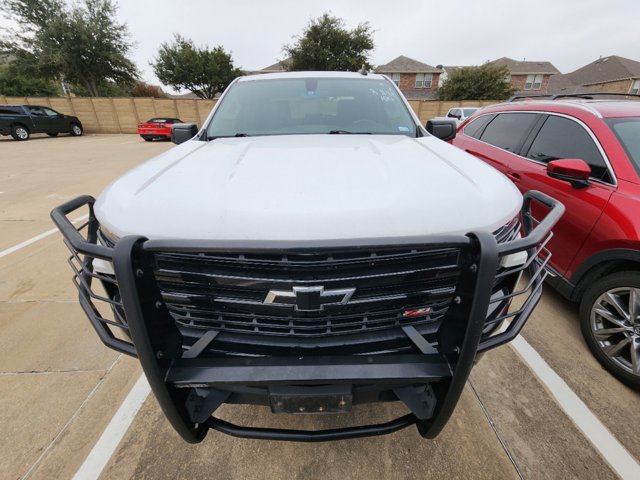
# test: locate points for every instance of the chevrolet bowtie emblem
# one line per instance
(309, 299)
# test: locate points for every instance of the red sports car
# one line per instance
(159, 128)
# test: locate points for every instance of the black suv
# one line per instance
(20, 121)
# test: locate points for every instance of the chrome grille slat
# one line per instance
(292, 280)
(299, 327)
(207, 292)
(303, 260)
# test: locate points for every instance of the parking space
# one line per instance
(61, 388)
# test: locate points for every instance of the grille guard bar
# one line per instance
(142, 326)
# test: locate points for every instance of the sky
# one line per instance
(568, 33)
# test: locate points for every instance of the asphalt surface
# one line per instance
(60, 387)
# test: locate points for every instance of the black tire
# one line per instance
(20, 133)
(76, 130)
(147, 138)
(614, 339)
(52, 134)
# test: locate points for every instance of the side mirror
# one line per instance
(443, 129)
(572, 170)
(181, 132)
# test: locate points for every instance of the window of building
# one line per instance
(395, 78)
(424, 80)
(508, 130)
(635, 87)
(534, 82)
(560, 137)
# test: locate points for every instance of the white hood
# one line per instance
(308, 187)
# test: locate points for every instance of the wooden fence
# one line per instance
(121, 115)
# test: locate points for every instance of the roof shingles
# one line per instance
(516, 67)
(404, 64)
(607, 69)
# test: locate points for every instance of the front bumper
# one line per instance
(190, 382)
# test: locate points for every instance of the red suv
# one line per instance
(585, 153)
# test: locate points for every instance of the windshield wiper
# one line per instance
(347, 132)
(240, 134)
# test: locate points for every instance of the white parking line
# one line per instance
(73, 418)
(26, 243)
(106, 445)
(600, 437)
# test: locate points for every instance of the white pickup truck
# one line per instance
(312, 247)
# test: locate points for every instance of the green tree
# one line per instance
(15, 85)
(486, 82)
(327, 45)
(203, 71)
(83, 43)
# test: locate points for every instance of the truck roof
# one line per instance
(281, 75)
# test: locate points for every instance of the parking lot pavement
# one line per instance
(60, 387)
(467, 448)
(41, 173)
(554, 331)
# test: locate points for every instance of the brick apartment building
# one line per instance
(528, 76)
(417, 80)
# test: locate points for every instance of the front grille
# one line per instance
(393, 287)
(226, 291)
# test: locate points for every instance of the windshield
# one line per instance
(628, 132)
(469, 111)
(311, 106)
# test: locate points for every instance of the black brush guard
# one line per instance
(428, 377)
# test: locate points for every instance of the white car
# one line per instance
(461, 113)
(312, 247)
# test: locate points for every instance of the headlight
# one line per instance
(106, 239)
